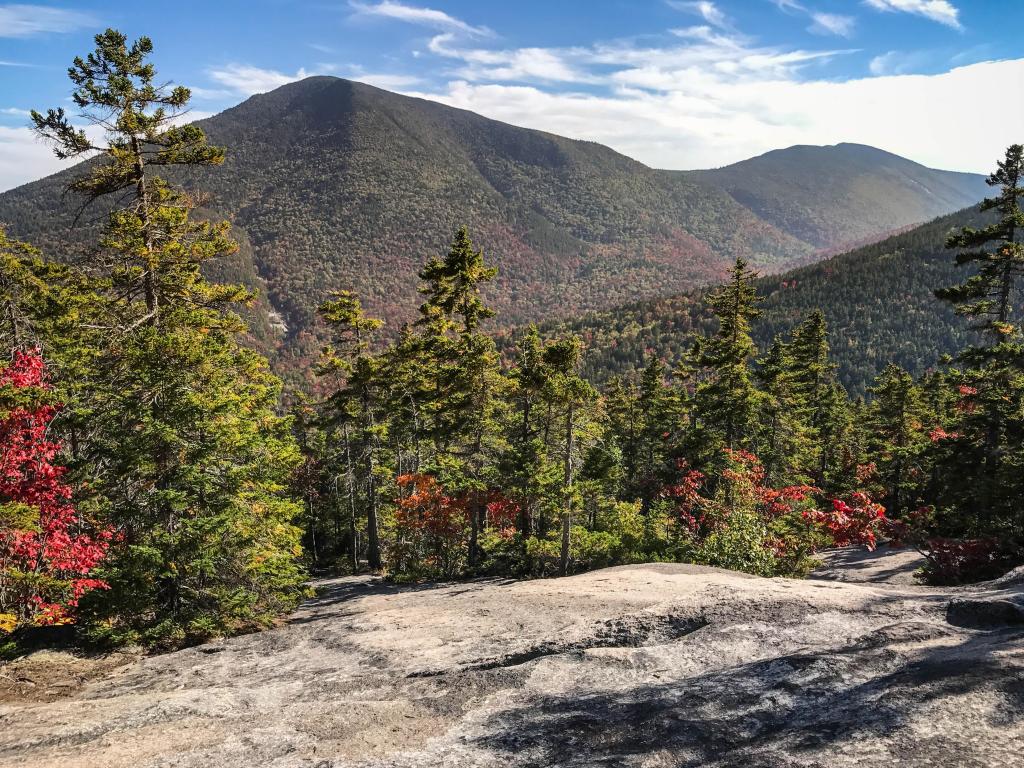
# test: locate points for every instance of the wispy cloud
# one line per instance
(248, 80)
(898, 62)
(15, 112)
(426, 17)
(700, 54)
(387, 81)
(20, 20)
(706, 9)
(832, 24)
(821, 23)
(941, 11)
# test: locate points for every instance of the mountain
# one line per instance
(335, 184)
(843, 194)
(877, 300)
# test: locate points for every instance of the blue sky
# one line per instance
(673, 83)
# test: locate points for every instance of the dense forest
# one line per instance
(878, 301)
(153, 489)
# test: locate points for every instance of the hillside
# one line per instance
(843, 194)
(339, 184)
(334, 184)
(877, 300)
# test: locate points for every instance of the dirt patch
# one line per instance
(51, 675)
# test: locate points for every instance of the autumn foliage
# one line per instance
(47, 552)
(430, 528)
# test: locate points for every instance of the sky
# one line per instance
(673, 83)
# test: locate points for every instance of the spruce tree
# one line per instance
(727, 400)
(982, 478)
(817, 396)
(462, 363)
(185, 451)
(898, 436)
(353, 407)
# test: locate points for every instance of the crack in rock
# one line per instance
(626, 632)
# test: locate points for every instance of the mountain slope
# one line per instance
(843, 194)
(339, 184)
(334, 184)
(877, 300)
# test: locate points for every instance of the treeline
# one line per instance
(152, 490)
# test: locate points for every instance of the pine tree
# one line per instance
(354, 405)
(463, 365)
(983, 477)
(187, 455)
(567, 394)
(727, 401)
(782, 439)
(659, 423)
(898, 436)
(817, 398)
(526, 464)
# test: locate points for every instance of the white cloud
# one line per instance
(706, 9)
(15, 112)
(23, 158)
(19, 20)
(706, 117)
(535, 64)
(702, 55)
(427, 17)
(387, 81)
(248, 80)
(832, 24)
(941, 11)
(898, 62)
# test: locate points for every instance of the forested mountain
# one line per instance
(843, 194)
(877, 300)
(333, 184)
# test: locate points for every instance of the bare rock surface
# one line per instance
(645, 666)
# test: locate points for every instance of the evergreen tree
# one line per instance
(898, 436)
(463, 365)
(354, 405)
(782, 438)
(727, 401)
(567, 394)
(818, 399)
(184, 450)
(983, 477)
(659, 426)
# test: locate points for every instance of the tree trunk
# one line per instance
(567, 514)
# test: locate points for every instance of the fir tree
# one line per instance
(727, 401)
(898, 436)
(185, 451)
(983, 478)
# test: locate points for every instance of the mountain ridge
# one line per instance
(336, 184)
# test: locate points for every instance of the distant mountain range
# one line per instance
(336, 184)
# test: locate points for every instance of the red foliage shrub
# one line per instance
(856, 521)
(961, 561)
(430, 528)
(46, 553)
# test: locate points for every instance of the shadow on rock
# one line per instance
(787, 711)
